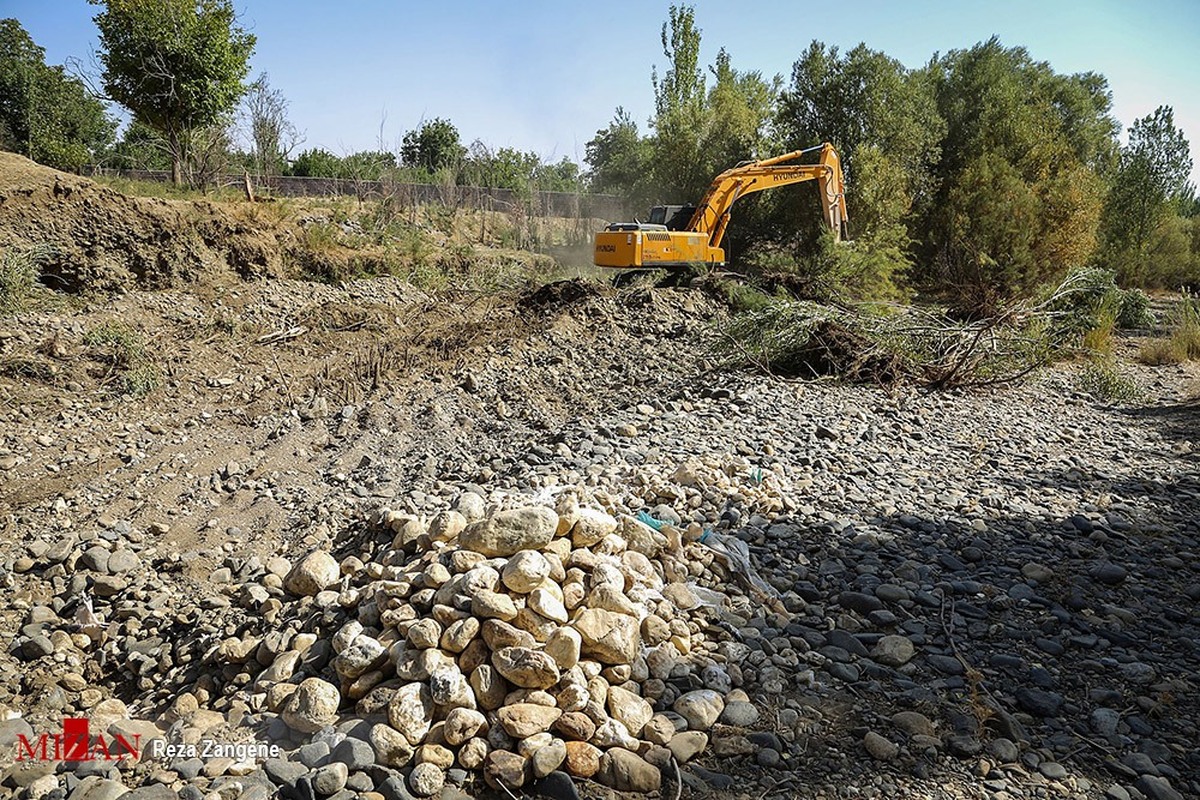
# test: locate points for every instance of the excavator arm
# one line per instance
(713, 212)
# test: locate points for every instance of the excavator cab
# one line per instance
(676, 218)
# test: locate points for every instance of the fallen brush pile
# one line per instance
(515, 644)
(927, 346)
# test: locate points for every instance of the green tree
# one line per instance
(619, 160)
(739, 110)
(140, 147)
(178, 65)
(317, 163)
(433, 146)
(697, 131)
(884, 121)
(679, 104)
(521, 171)
(1022, 143)
(1149, 188)
(863, 97)
(562, 176)
(367, 165)
(46, 114)
(506, 168)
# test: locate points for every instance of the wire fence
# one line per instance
(570, 205)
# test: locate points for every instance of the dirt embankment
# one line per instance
(87, 236)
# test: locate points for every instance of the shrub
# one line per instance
(868, 269)
(1134, 310)
(743, 297)
(1102, 380)
(120, 344)
(141, 380)
(1083, 310)
(807, 340)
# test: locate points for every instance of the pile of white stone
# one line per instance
(532, 640)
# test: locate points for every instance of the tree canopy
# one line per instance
(1150, 187)
(45, 113)
(432, 146)
(178, 65)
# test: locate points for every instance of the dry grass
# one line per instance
(1099, 339)
(18, 272)
(1184, 342)
(1160, 352)
(28, 367)
(131, 368)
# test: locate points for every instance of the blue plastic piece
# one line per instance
(646, 519)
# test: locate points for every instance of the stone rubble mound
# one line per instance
(516, 644)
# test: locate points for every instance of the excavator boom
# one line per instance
(634, 245)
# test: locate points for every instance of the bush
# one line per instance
(120, 344)
(868, 269)
(1103, 381)
(1083, 310)
(807, 340)
(743, 297)
(1134, 310)
(992, 224)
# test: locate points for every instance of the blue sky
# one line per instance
(545, 75)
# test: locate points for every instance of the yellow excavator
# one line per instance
(677, 236)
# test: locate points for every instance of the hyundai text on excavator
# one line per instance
(678, 236)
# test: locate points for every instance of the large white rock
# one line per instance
(364, 653)
(411, 712)
(446, 526)
(529, 669)
(507, 532)
(700, 708)
(564, 646)
(523, 720)
(461, 725)
(392, 747)
(316, 571)
(313, 706)
(525, 571)
(591, 526)
(545, 603)
(449, 689)
(607, 636)
(629, 709)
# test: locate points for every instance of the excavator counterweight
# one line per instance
(634, 245)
